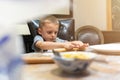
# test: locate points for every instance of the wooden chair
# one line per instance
(89, 34)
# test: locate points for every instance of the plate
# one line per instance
(113, 48)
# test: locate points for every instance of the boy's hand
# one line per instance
(79, 44)
(75, 44)
(68, 45)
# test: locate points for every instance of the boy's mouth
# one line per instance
(52, 40)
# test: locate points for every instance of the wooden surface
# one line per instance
(96, 71)
(111, 36)
(74, 49)
(35, 58)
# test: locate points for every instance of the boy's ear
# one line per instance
(39, 30)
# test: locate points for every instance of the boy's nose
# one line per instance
(53, 34)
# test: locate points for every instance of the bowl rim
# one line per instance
(91, 54)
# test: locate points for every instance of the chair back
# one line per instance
(66, 29)
(89, 34)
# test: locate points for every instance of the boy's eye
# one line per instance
(56, 32)
(50, 32)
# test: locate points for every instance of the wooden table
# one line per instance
(96, 71)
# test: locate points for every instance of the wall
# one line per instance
(90, 12)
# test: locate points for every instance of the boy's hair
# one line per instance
(48, 19)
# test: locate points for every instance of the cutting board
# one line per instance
(36, 58)
(74, 49)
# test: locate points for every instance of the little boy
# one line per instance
(47, 38)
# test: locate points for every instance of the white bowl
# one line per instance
(74, 65)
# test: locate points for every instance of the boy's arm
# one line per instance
(67, 45)
(49, 45)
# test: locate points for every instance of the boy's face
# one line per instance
(49, 31)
